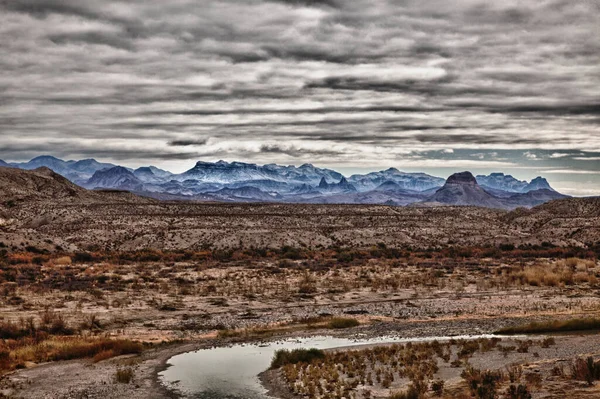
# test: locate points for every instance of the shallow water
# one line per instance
(232, 372)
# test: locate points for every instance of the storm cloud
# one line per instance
(336, 83)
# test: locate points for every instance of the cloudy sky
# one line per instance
(435, 86)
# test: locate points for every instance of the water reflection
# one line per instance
(232, 372)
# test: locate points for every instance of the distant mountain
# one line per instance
(407, 181)
(146, 175)
(88, 166)
(463, 189)
(240, 181)
(57, 165)
(343, 186)
(4, 164)
(533, 198)
(366, 197)
(235, 172)
(245, 194)
(115, 178)
(76, 171)
(266, 185)
(500, 181)
(306, 173)
(539, 183)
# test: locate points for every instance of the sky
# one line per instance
(433, 86)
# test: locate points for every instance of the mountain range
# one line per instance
(247, 182)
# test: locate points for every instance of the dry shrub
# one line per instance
(571, 263)
(534, 379)
(63, 261)
(552, 275)
(410, 393)
(342, 322)
(107, 354)
(124, 375)
(585, 370)
(518, 392)
(482, 384)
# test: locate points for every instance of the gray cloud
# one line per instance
(332, 81)
(186, 143)
(295, 151)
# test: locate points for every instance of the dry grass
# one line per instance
(568, 272)
(17, 352)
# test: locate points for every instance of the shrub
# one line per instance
(534, 379)
(514, 372)
(124, 375)
(437, 387)
(83, 257)
(284, 356)
(482, 384)
(585, 370)
(410, 393)
(63, 260)
(548, 342)
(342, 322)
(518, 392)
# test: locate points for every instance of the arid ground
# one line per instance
(100, 289)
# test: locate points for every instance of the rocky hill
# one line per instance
(36, 185)
(116, 177)
(463, 189)
(41, 185)
(44, 209)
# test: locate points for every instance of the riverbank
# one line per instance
(84, 378)
(543, 367)
(186, 306)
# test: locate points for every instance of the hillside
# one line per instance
(36, 185)
(463, 189)
(18, 186)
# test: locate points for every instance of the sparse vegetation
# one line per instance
(553, 326)
(284, 357)
(124, 375)
(81, 285)
(342, 322)
(586, 370)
